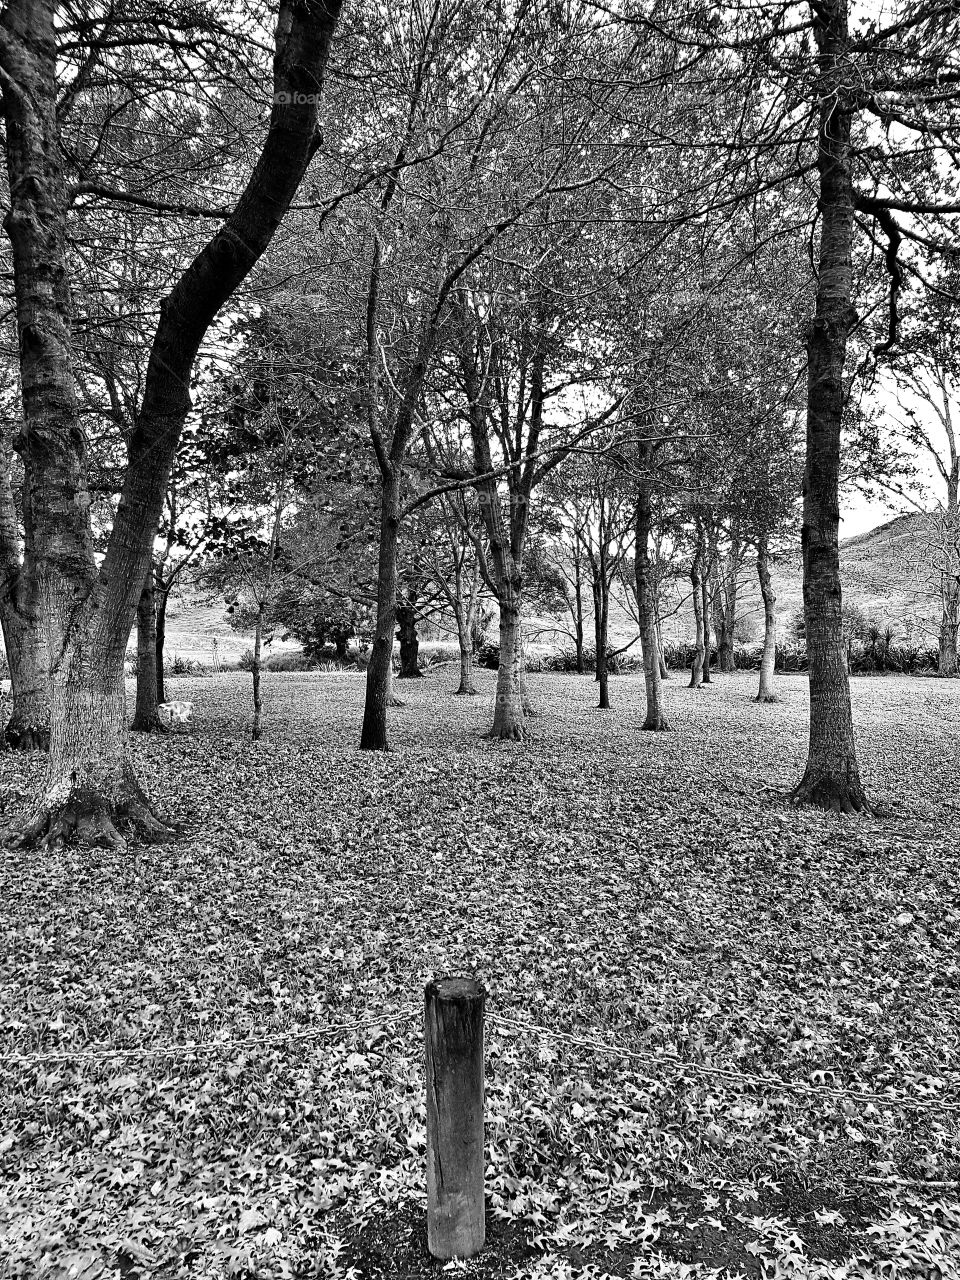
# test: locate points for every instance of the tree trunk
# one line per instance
(161, 596)
(832, 778)
(409, 643)
(465, 641)
(256, 672)
(647, 613)
(340, 639)
(768, 661)
(950, 581)
(603, 630)
(508, 715)
(578, 615)
(379, 692)
(664, 672)
(89, 604)
(91, 793)
(28, 728)
(705, 616)
(728, 606)
(696, 669)
(145, 717)
(947, 663)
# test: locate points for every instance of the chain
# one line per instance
(726, 1073)
(191, 1047)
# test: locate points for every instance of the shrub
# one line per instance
(292, 661)
(245, 661)
(181, 666)
(433, 654)
(487, 654)
(565, 660)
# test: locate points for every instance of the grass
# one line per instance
(653, 891)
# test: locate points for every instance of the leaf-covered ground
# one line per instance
(652, 892)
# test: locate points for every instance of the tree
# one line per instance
(88, 607)
(28, 728)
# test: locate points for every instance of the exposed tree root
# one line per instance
(658, 724)
(466, 693)
(513, 732)
(831, 792)
(766, 697)
(395, 702)
(87, 820)
(25, 737)
(149, 724)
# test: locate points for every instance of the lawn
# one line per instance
(648, 892)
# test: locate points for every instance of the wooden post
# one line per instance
(453, 1039)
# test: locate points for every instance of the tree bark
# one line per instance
(578, 613)
(664, 672)
(466, 687)
(145, 716)
(646, 612)
(831, 779)
(947, 661)
(696, 570)
(705, 617)
(508, 715)
(409, 643)
(161, 596)
(728, 607)
(768, 661)
(28, 728)
(88, 607)
(373, 735)
(256, 672)
(950, 576)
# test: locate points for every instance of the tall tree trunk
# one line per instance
(464, 640)
(696, 570)
(831, 778)
(340, 639)
(768, 661)
(28, 728)
(161, 595)
(664, 672)
(705, 616)
(578, 615)
(379, 692)
(409, 643)
(508, 715)
(950, 579)
(88, 606)
(256, 672)
(647, 614)
(947, 662)
(728, 606)
(145, 716)
(603, 629)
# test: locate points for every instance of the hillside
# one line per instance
(873, 567)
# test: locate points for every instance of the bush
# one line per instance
(185, 666)
(245, 661)
(432, 654)
(292, 661)
(487, 654)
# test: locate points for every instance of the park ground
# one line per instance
(650, 892)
